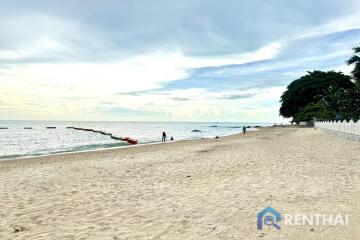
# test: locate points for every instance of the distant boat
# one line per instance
(195, 130)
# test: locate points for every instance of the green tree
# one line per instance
(355, 60)
(317, 110)
(312, 89)
(346, 101)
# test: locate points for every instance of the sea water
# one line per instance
(16, 141)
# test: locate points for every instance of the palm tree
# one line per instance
(355, 60)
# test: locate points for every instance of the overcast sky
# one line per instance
(189, 60)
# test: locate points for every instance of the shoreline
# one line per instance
(27, 156)
(121, 149)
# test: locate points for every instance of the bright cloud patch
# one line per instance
(188, 61)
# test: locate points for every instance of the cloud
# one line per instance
(132, 114)
(196, 28)
(180, 99)
(236, 96)
(181, 60)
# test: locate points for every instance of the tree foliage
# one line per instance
(356, 61)
(346, 102)
(317, 110)
(324, 95)
(311, 89)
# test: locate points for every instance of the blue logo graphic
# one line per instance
(268, 216)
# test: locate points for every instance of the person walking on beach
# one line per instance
(163, 137)
(244, 129)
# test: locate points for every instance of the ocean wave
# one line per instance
(68, 150)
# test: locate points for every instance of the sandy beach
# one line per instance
(201, 189)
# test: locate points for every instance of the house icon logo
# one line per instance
(268, 216)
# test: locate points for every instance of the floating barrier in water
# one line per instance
(105, 133)
(4, 128)
(116, 138)
(27, 127)
(50, 127)
(88, 130)
(127, 139)
(132, 141)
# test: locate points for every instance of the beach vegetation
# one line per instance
(305, 95)
(346, 102)
(324, 95)
(355, 59)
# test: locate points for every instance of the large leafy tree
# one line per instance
(356, 61)
(317, 110)
(312, 89)
(345, 101)
(350, 103)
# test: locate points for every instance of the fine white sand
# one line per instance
(202, 189)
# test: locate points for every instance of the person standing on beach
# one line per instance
(244, 129)
(163, 137)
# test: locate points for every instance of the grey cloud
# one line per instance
(131, 93)
(142, 93)
(180, 99)
(319, 52)
(237, 96)
(106, 31)
(133, 114)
